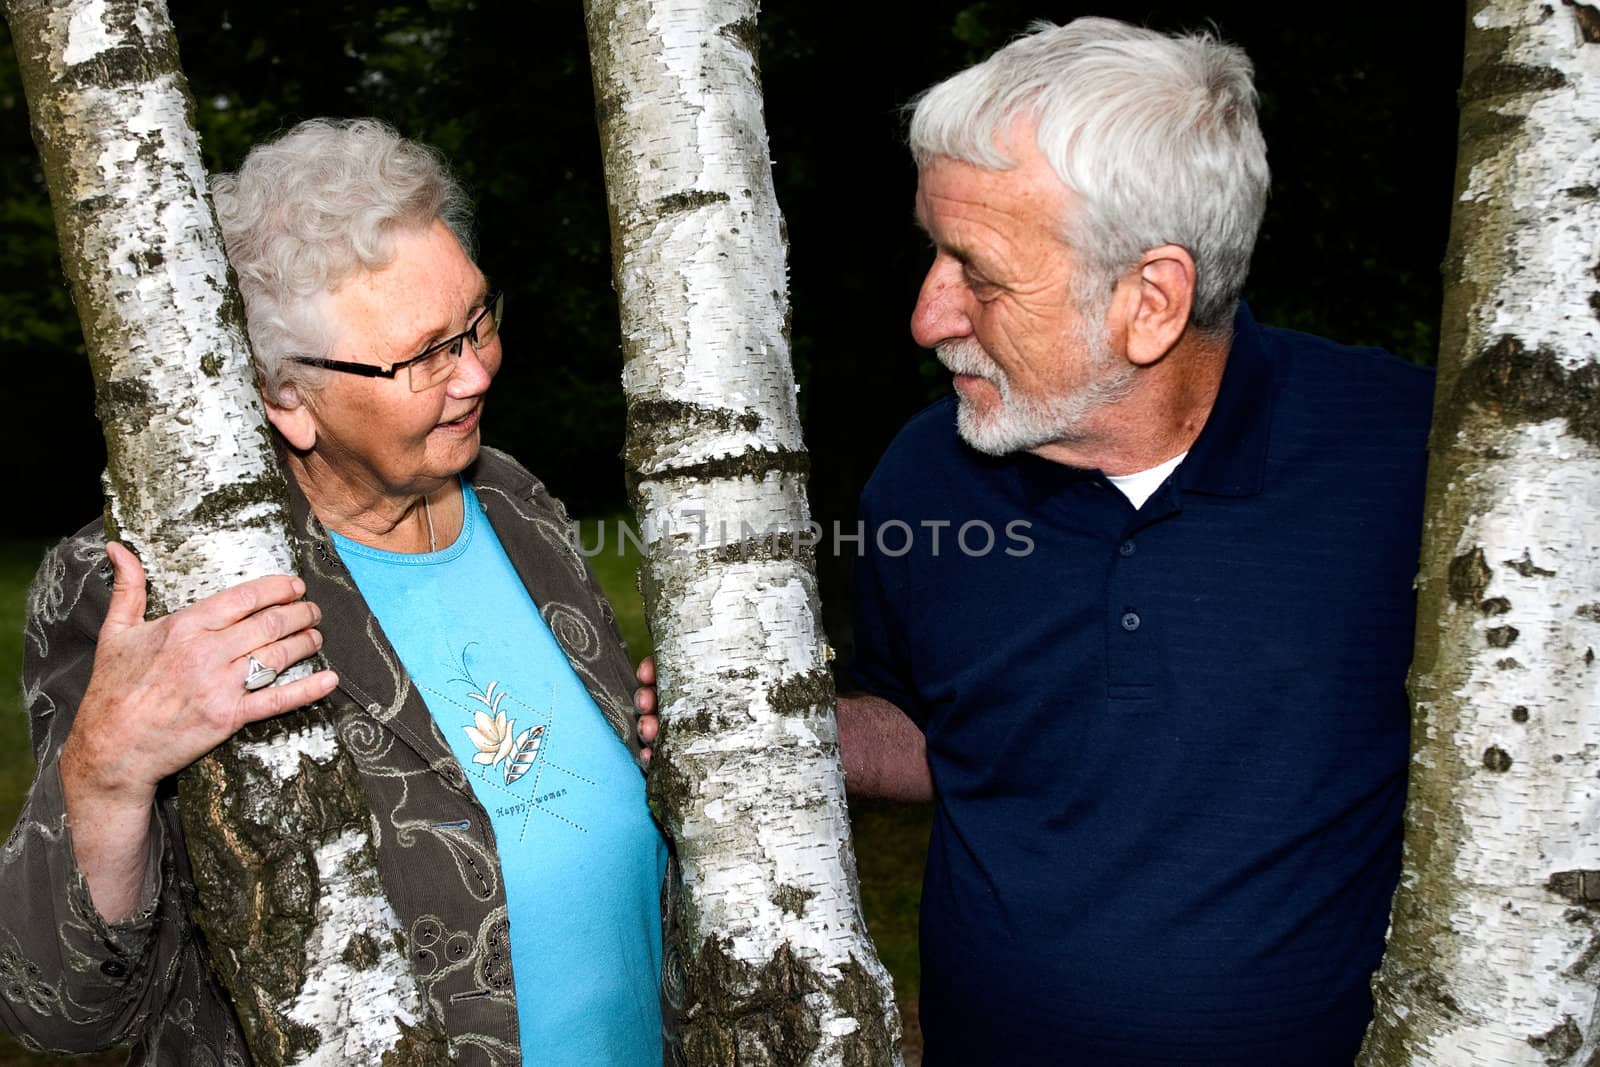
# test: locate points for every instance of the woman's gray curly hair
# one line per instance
(310, 209)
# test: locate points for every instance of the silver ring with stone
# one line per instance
(260, 675)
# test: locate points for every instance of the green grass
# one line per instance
(891, 842)
(615, 562)
(890, 839)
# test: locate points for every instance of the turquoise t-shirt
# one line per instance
(582, 859)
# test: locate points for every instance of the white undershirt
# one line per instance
(1140, 485)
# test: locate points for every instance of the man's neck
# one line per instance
(1159, 418)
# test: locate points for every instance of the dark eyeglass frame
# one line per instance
(493, 304)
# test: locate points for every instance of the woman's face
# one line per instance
(375, 434)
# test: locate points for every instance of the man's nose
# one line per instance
(942, 311)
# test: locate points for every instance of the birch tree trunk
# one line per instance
(746, 777)
(1494, 952)
(276, 821)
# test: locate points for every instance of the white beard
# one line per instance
(1021, 424)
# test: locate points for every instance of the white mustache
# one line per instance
(966, 356)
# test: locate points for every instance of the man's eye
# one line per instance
(981, 287)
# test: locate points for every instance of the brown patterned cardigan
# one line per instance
(70, 982)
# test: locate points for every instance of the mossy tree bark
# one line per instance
(1494, 952)
(746, 776)
(277, 825)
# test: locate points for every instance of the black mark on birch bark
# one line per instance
(1508, 79)
(765, 547)
(653, 423)
(1527, 568)
(792, 899)
(1468, 577)
(872, 1042)
(744, 31)
(1496, 759)
(1583, 967)
(1496, 605)
(802, 694)
(1519, 714)
(676, 203)
(1580, 887)
(148, 261)
(123, 398)
(1559, 1044)
(1588, 611)
(756, 464)
(221, 508)
(1516, 385)
(733, 1005)
(1588, 20)
(1501, 636)
(360, 952)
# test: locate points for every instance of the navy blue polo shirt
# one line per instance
(1168, 745)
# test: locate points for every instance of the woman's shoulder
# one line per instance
(502, 470)
(73, 578)
(497, 474)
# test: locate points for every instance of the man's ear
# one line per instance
(292, 419)
(1162, 295)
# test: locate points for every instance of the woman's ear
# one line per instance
(292, 419)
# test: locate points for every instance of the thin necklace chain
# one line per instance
(427, 512)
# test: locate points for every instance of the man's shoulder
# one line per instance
(1313, 364)
(927, 443)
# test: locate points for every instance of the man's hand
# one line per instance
(163, 693)
(644, 700)
(883, 752)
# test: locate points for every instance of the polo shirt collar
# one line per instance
(1229, 458)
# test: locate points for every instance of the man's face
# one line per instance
(1002, 304)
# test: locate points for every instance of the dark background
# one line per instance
(1358, 110)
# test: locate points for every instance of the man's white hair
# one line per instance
(307, 211)
(1155, 136)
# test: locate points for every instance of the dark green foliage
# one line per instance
(1359, 115)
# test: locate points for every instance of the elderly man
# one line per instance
(1168, 736)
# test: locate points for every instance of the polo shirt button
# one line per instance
(1130, 621)
(1125, 549)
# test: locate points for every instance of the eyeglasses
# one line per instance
(428, 368)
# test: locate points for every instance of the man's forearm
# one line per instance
(883, 751)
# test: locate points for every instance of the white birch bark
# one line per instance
(1494, 952)
(193, 486)
(746, 777)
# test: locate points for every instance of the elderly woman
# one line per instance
(484, 689)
